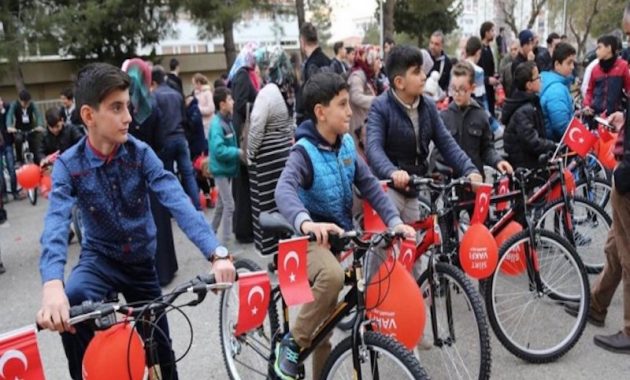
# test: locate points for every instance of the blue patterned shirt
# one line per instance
(112, 195)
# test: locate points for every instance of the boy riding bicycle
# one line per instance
(314, 193)
(108, 175)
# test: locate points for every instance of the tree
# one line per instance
(389, 7)
(507, 10)
(580, 22)
(110, 30)
(320, 17)
(299, 8)
(420, 18)
(218, 17)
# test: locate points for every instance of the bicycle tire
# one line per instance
(229, 342)
(526, 351)
(592, 208)
(601, 197)
(32, 195)
(476, 304)
(386, 345)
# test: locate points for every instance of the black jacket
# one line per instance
(243, 92)
(68, 136)
(622, 172)
(442, 62)
(520, 58)
(543, 60)
(486, 62)
(524, 137)
(471, 129)
(314, 63)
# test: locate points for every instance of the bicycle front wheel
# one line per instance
(461, 340)
(381, 357)
(246, 356)
(526, 294)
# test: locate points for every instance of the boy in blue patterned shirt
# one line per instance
(108, 175)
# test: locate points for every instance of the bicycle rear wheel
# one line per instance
(598, 191)
(381, 357)
(529, 322)
(590, 224)
(461, 348)
(247, 356)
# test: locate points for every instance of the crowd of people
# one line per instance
(275, 136)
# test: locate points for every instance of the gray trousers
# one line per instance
(224, 212)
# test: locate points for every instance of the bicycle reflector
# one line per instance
(116, 353)
(28, 176)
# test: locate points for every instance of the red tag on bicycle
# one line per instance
(395, 305)
(292, 271)
(504, 188)
(514, 263)
(19, 355)
(372, 223)
(482, 204)
(253, 295)
(407, 254)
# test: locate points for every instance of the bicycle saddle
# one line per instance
(275, 223)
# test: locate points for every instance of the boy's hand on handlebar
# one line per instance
(55, 311)
(409, 231)
(224, 271)
(505, 167)
(475, 180)
(401, 179)
(617, 120)
(320, 230)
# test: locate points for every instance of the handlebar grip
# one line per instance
(85, 308)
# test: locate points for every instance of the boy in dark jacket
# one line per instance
(401, 124)
(314, 193)
(468, 121)
(524, 139)
(59, 136)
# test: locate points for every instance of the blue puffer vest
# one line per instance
(329, 199)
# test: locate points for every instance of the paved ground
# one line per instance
(20, 294)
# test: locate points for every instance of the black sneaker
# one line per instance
(2, 268)
(287, 352)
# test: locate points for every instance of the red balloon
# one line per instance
(214, 195)
(478, 252)
(395, 304)
(514, 264)
(28, 176)
(114, 354)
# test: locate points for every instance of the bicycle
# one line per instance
(382, 354)
(102, 316)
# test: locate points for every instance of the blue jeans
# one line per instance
(176, 150)
(8, 157)
(95, 278)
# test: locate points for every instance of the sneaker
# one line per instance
(619, 342)
(2, 268)
(287, 352)
(572, 309)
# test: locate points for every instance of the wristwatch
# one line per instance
(220, 253)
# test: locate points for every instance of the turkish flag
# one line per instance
(292, 271)
(503, 188)
(19, 355)
(482, 204)
(604, 134)
(253, 294)
(372, 223)
(579, 138)
(407, 254)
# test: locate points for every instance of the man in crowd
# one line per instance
(338, 64)
(486, 62)
(526, 50)
(441, 62)
(543, 56)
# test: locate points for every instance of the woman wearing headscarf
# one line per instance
(362, 82)
(244, 84)
(145, 126)
(269, 140)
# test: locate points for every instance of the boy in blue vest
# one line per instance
(108, 175)
(315, 194)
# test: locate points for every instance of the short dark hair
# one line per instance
(610, 40)
(349, 49)
(564, 37)
(389, 41)
(551, 37)
(501, 29)
(308, 32)
(219, 82)
(24, 95)
(400, 59)
(220, 95)
(485, 28)
(524, 73)
(562, 51)
(473, 45)
(67, 93)
(158, 74)
(337, 46)
(464, 68)
(173, 64)
(321, 88)
(96, 81)
(52, 116)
